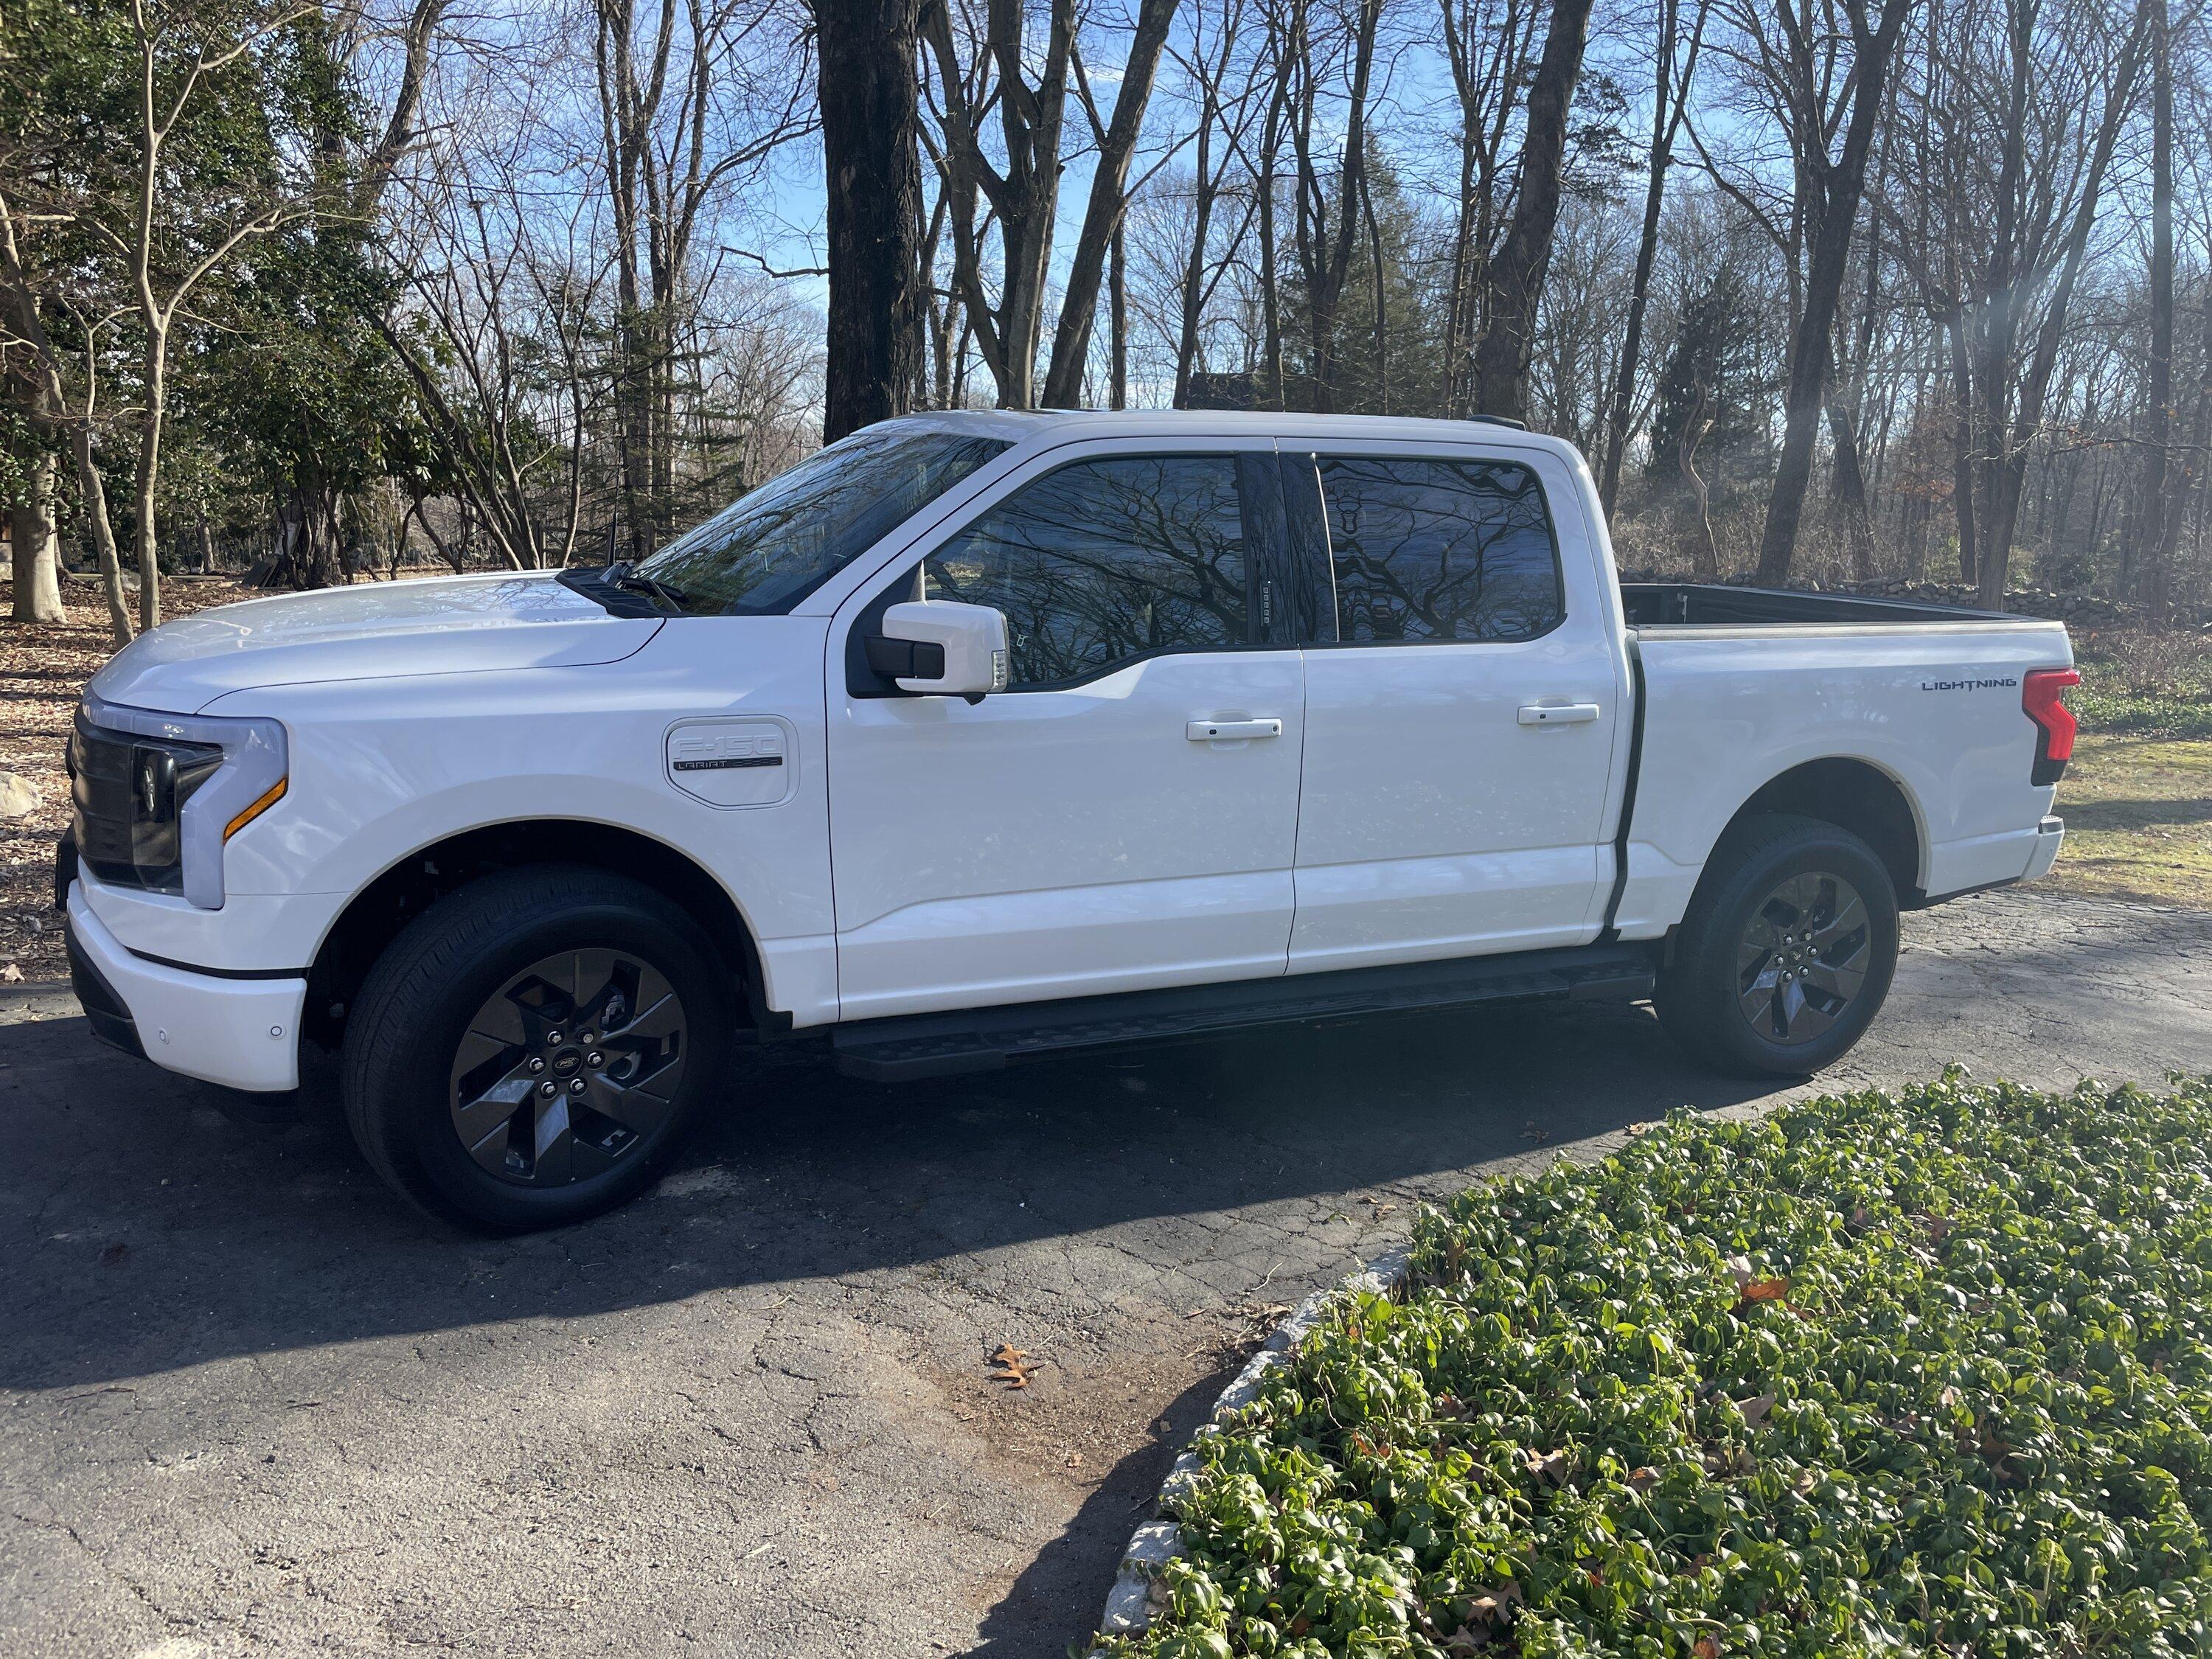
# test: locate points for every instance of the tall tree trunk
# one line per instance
(1963, 446)
(151, 420)
(1838, 202)
(1271, 292)
(1851, 491)
(37, 573)
(101, 530)
(2158, 392)
(874, 171)
(1516, 277)
(2185, 479)
(1117, 324)
(1670, 98)
(2005, 460)
(1705, 551)
(1327, 255)
(1109, 202)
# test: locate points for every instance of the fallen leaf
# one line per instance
(1765, 1290)
(12, 973)
(1015, 1368)
(1553, 1467)
(1641, 1480)
(1755, 1410)
(1706, 1649)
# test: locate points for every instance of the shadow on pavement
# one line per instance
(150, 1231)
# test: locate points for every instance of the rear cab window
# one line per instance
(1421, 550)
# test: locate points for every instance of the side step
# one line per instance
(984, 1039)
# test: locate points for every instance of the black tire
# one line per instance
(1728, 1003)
(401, 1066)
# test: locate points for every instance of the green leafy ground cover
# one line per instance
(1928, 1373)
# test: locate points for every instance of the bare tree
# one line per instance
(1024, 198)
(1109, 201)
(1670, 102)
(1829, 202)
(1516, 276)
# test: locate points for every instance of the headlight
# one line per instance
(155, 796)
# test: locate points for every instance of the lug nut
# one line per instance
(595, 1058)
(537, 1062)
(585, 1038)
(548, 1090)
(576, 1087)
(552, 1039)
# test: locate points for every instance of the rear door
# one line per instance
(1462, 703)
(1124, 814)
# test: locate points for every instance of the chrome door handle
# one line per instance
(1557, 713)
(1230, 730)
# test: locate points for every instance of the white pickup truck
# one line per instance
(977, 736)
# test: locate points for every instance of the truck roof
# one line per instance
(1021, 426)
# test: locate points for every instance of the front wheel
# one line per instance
(1787, 951)
(535, 1048)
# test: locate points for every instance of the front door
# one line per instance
(1459, 732)
(1124, 814)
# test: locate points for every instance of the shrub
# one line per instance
(1921, 1374)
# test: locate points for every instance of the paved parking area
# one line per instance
(250, 1403)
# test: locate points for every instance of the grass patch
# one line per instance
(2138, 815)
(2137, 798)
(1921, 1374)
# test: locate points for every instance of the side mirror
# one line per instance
(937, 648)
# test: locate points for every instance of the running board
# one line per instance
(914, 1046)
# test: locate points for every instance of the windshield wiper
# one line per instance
(624, 575)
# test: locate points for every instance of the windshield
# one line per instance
(764, 555)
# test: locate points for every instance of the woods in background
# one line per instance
(1827, 289)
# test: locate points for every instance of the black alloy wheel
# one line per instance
(1787, 950)
(535, 1048)
(1803, 957)
(567, 1067)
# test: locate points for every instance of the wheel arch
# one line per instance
(373, 917)
(1858, 795)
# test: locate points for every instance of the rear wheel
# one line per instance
(1787, 951)
(535, 1048)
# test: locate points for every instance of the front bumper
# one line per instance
(242, 1032)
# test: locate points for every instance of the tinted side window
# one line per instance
(1439, 550)
(1103, 560)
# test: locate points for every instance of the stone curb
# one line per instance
(1129, 1605)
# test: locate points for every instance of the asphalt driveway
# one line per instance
(249, 1402)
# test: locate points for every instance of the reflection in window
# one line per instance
(1436, 549)
(1103, 560)
(783, 540)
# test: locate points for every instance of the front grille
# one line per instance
(100, 800)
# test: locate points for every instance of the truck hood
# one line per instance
(372, 630)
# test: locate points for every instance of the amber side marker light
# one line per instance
(268, 799)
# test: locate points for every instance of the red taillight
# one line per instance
(2040, 695)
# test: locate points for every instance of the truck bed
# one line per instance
(1711, 604)
(1741, 685)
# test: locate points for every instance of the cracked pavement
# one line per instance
(251, 1402)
